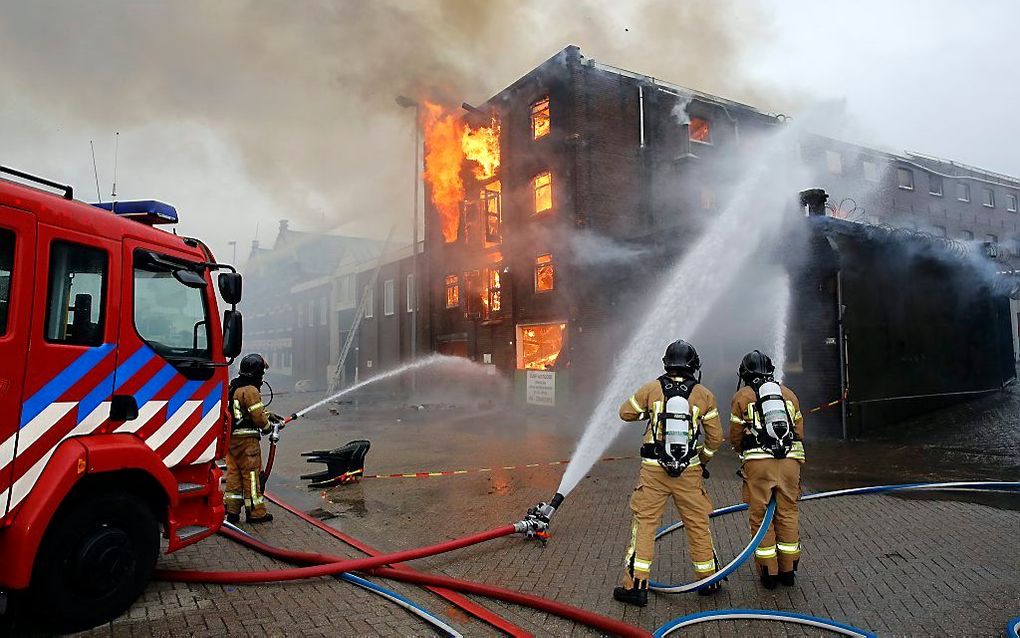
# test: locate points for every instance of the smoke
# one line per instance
(680, 109)
(588, 248)
(297, 99)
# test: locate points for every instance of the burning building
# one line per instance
(550, 206)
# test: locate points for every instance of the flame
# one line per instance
(449, 141)
(443, 158)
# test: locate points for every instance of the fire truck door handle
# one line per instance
(123, 407)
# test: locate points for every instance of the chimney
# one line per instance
(284, 225)
(254, 245)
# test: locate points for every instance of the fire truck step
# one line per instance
(187, 488)
(185, 533)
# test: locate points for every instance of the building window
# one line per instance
(540, 123)
(345, 292)
(323, 311)
(300, 314)
(77, 294)
(369, 302)
(311, 312)
(545, 273)
(992, 238)
(493, 300)
(963, 192)
(388, 300)
(542, 186)
(988, 198)
(410, 300)
(834, 161)
(905, 178)
(966, 234)
(452, 291)
(941, 231)
(935, 184)
(539, 346)
(1011, 202)
(6, 269)
(700, 130)
(870, 171)
(474, 294)
(492, 207)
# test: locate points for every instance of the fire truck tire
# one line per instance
(95, 560)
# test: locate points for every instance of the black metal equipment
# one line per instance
(345, 464)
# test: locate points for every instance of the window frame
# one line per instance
(206, 309)
(968, 235)
(5, 316)
(389, 298)
(987, 197)
(708, 127)
(539, 106)
(1012, 201)
(551, 263)
(900, 172)
(369, 297)
(932, 177)
(104, 291)
(876, 177)
(834, 162)
(451, 282)
(966, 191)
(534, 193)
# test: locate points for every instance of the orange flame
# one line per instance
(449, 141)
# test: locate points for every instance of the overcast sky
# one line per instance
(242, 113)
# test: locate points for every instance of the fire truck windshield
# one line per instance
(171, 316)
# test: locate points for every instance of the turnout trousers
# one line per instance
(648, 502)
(779, 550)
(244, 462)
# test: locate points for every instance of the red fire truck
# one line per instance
(113, 377)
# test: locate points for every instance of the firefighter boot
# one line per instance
(770, 581)
(233, 517)
(637, 595)
(255, 520)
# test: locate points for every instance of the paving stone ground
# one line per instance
(899, 566)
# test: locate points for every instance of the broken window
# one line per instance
(540, 118)
(452, 291)
(493, 296)
(988, 198)
(542, 185)
(473, 294)
(905, 178)
(963, 192)
(492, 207)
(700, 130)
(545, 273)
(539, 346)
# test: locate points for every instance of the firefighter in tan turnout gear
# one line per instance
(678, 411)
(249, 420)
(767, 430)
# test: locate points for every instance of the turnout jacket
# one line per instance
(648, 402)
(743, 416)
(250, 415)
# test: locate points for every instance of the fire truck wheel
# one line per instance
(95, 560)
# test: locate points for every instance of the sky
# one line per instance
(241, 113)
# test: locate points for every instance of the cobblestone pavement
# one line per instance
(895, 565)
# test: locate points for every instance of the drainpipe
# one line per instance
(843, 354)
(641, 112)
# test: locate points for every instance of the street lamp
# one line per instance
(405, 102)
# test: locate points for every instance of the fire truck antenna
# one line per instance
(116, 152)
(95, 170)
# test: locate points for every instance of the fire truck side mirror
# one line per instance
(230, 287)
(231, 333)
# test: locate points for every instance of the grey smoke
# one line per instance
(588, 248)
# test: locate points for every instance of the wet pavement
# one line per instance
(941, 564)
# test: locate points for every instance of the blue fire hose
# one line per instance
(388, 594)
(1012, 628)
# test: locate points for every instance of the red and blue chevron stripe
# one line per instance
(177, 417)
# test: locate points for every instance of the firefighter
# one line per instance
(678, 411)
(249, 420)
(767, 430)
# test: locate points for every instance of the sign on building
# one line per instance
(541, 388)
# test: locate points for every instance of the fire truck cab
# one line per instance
(113, 379)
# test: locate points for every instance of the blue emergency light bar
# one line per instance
(147, 211)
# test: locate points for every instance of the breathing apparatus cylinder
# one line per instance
(677, 434)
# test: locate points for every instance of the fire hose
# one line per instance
(761, 614)
(601, 623)
(1013, 628)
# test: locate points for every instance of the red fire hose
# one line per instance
(348, 565)
(453, 597)
(596, 621)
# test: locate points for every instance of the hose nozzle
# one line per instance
(536, 523)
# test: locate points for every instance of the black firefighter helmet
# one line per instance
(682, 357)
(755, 365)
(253, 366)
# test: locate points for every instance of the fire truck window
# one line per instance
(540, 118)
(538, 346)
(171, 317)
(452, 291)
(6, 266)
(542, 185)
(700, 130)
(76, 303)
(545, 273)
